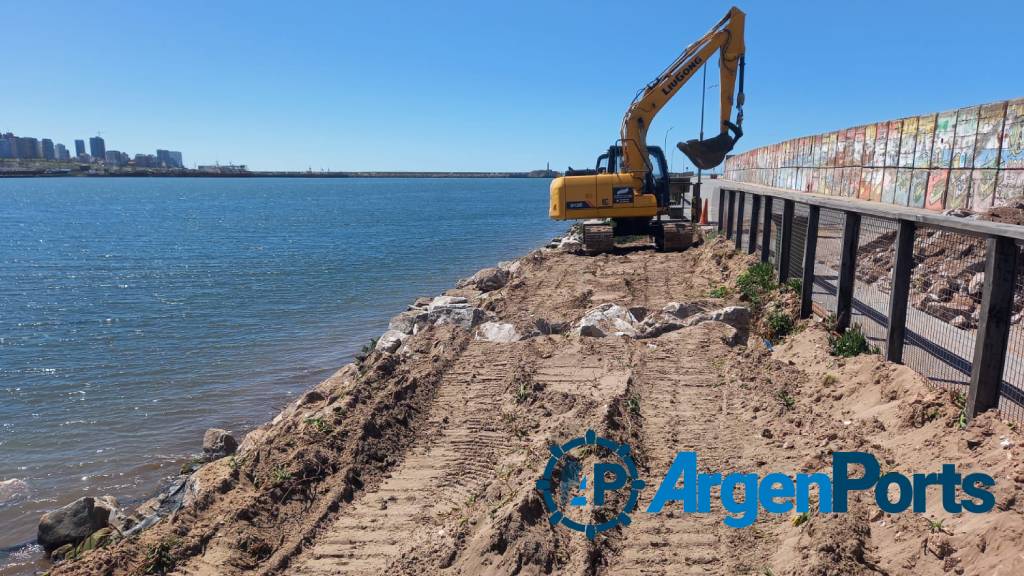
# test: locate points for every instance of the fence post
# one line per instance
(766, 234)
(731, 210)
(721, 209)
(741, 200)
(900, 291)
(993, 325)
(810, 253)
(785, 240)
(696, 204)
(847, 271)
(755, 213)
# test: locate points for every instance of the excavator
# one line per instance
(630, 183)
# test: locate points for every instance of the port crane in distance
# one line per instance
(630, 183)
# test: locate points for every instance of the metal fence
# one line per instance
(943, 295)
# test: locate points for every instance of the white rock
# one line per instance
(977, 284)
(390, 341)
(408, 322)
(736, 316)
(497, 332)
(448, 302)
(607, 318)
(462, 315)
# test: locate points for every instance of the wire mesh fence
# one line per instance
(826, 266)
(942, 316)
(872, 289)
(944, 302)
(1011, 389)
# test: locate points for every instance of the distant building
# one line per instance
(97, 147)
(27, 148)
(169, 158)
(79, 147)
(115, 158)
(224, 169)
(62, 153)
(8, 145)
(146, 161)
(48, 151)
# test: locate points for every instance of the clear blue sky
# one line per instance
(471, 85)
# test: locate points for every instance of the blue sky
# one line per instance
(471, 85)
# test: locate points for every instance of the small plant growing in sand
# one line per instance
(719, 292)
(850, 343)
(318, 424)
(160, 557)
(778, 323)
(829, 380)
(785, 399)
(935, 526)
(801, 518)
(793, 285)
(280, 475)
(633, 404)
(523, 392)
(961, 418)
(365, 352)
(757, 281)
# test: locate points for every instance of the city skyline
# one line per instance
(20, 147)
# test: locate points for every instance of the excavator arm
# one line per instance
(727, 37)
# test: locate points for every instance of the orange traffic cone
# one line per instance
(704, 214)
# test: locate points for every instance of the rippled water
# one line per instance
(136, 313)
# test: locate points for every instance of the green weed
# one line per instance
(318, 424)
(719, 292)
(756, 282)
(850, 343)
(160, 557)
(779, 324)
(794, 285)
(785, 399)
(280, 475)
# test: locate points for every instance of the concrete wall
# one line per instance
(968, 158)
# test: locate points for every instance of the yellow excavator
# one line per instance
(630, 183)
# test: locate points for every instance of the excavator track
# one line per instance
(673, 236)
(597, 238)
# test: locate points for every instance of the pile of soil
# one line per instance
(425, 461)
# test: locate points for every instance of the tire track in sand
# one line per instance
(458, 451)
(684, 408)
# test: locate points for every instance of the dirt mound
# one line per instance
(425, 461)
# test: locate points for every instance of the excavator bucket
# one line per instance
(706, 154)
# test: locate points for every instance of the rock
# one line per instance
(218, 443)
(512, 267)
(655, 326)
(682, 311)
(497, 332)
(97, 539)
(961, 322)
(448, 302)
(572, 244)
(607, 319)
(459, 314)
(547, 328)
(976, 285)
(116, 517)
(390, 341)
(13, 490)
(71, 524)
(408, 322)
(487, 279)
(736, 316)
(62, 552)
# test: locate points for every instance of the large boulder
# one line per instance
(461, 315)
(408, 322)
(71, 524)
(607, 319)
(391, 340)
(736, 316)
(218, 443)
(497, 332)
(489, 279)
(448, 302)
(13, 490)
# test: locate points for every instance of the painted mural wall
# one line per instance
(969, 158)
